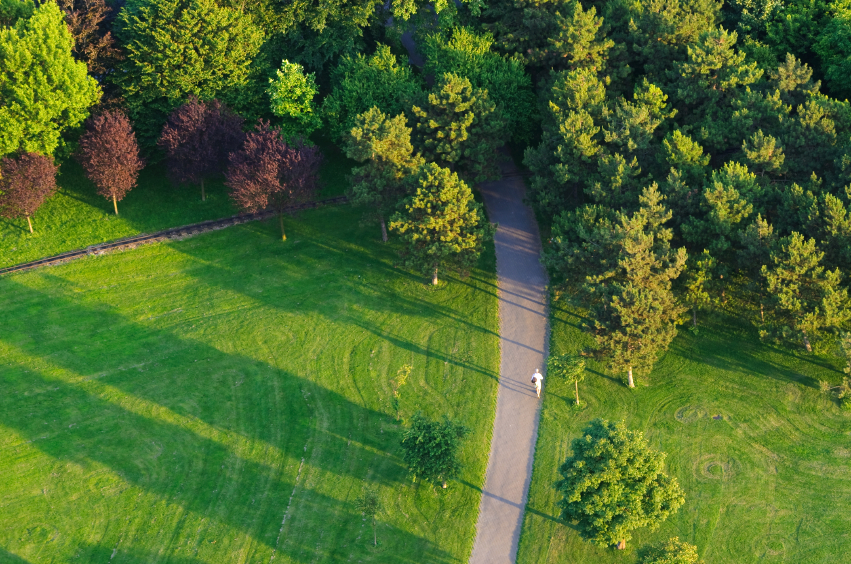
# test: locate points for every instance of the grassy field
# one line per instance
(76, 216)
(763, 456)
(224, 398)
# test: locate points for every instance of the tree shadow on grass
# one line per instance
(17, 225)
(7, 557)
(370, 297)
(728, 344)
(155, 444)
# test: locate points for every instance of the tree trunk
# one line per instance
(281, 221)
(434, 277)
(383, 230)
(374, 534)
(629, 377)
(807, 342)
(576, 382)
(694, 316)
(203, 193)
(762, 311)
(115, 204)
(29, 221)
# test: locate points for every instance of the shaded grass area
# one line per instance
(224, 398)
(77, 216)
(762, 455)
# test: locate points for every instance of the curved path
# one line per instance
(523, 334)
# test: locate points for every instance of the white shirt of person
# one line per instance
(537, 377)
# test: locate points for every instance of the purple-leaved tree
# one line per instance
(109, 154)
(197, 140)
(25, 183)
(268, 172)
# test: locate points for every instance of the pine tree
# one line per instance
(578, 40)
(806, 298)
(635, 313)
(384, 144)
(459, 129)
(764, 154)
(469, 54)
(566, 160)
(709, 80)
(699, 282)
(726, 204)
(794, 80)
(756, 245)
(552, 34)
(632, 125)
(835, 231)
(660, 30)
(441, 225)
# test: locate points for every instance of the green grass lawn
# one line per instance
(76, 216)
(763, 456)
(224, 399)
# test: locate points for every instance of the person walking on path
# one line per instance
(537, 378)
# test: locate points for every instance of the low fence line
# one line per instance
(173, 233)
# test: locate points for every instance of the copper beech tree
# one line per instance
(109, 154)
(197, 140)
(270, 173)
(25, 183)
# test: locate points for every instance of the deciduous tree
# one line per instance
(569, 366)
(25, 183)
(360, 83)
(614, 483)
(441, 225)
(292, 93)
(43, 90)
(177, 48)
(469, 54)
(269, 173)
(370, 505)
(430, 448)
(671, 551)
(89, 22)
(384, 145)
(197, 140)
(110, 155)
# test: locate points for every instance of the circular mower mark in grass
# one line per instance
(715, 467)
(690, 413)
(106, 483)
(772, 547)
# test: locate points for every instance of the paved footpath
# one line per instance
(523, 343)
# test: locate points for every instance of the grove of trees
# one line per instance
(681, 156)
